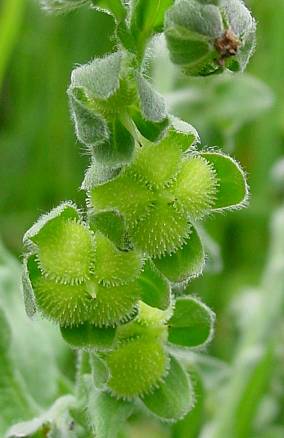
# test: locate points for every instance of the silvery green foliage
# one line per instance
(108, 276)
(204, 37)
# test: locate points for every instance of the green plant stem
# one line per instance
(11, 14)
(130, 126)
(255, 357)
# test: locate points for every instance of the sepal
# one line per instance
(174, 397)
(150, 115)
(88, 336)
(187, 262)
(192, 323)
(232, 190)
(155, 289)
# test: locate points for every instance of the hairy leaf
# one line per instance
(173, 398)
(192, 323)
(155, 290)
(89, 336)
(232, 187)
(188, 261)
(107, 414)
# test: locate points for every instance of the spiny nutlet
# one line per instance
(136, 367)
(65, 250)
(113, 267)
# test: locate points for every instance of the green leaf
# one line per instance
(151, 117)
(181, 134)
(116, 150)
(190, 30)
(116, 7)
(29, 298)
(15, 403)
(148, 17)
(89, 336)
(56, 416)
(100, 78)
(173, 398)
(232, 190)
(100, 372)
(91, 129)
(191, 425)
(150, 130)
(38, 351)
(192, 323)
(96, 174)
(107, 414)
(152, 104)
(99, 92)
(186, 262)
(155, 290)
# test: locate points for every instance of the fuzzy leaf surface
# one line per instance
(232, 187)
(107, 414)
(155, 290)
(192, 323)
(173, 399)
(188, 261)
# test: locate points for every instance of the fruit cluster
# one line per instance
(109, 277)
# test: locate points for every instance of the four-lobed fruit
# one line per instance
(78, 276)
(164, 189)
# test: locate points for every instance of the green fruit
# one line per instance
(65, 251)
(196, 186)
(125, 194)
(112, 266)
(112, 305)
(136, 367)
(163, 230)
(66, 304)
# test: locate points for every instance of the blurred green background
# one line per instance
(41, 164)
